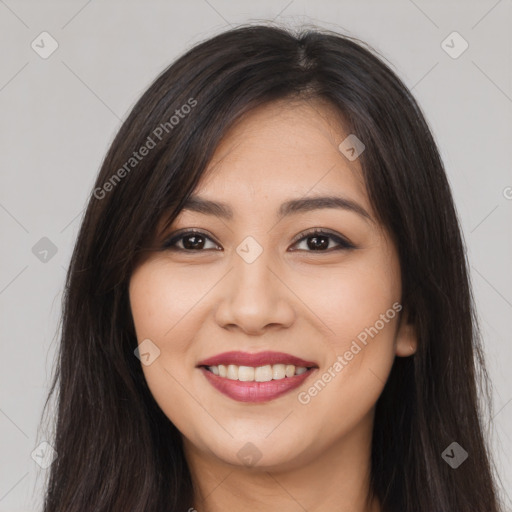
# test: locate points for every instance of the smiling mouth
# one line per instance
(264, 373)
(256, 377)
(265, 389)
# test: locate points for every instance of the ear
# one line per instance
(406, 342)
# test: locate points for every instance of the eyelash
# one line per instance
(343, 243)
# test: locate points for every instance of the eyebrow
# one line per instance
(294, 206)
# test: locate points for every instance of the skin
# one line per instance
(308, 303)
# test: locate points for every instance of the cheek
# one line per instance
(353, 299)
(162, 307)
(163, 311)
(365, 305)
(360, 305)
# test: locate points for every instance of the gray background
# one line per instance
(59, 115)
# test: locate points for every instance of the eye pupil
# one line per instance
(195, 243)
(323, 244)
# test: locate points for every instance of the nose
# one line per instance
(254, 298)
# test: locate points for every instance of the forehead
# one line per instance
(283, 150)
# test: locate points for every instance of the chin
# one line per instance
(277, 452)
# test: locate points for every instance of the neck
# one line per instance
(337, 479)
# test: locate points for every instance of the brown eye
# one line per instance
(319, 241)
(193, 241)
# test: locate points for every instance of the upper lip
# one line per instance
(256, 359)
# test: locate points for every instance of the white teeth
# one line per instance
(278, 371)
(232, 372)
(246, 373)
(257, 374)
(263, 373)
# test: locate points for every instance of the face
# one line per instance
(266, 342)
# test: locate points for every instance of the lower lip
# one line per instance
(255, 391)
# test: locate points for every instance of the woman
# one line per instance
(268, 305)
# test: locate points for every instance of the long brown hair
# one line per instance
(116, 449)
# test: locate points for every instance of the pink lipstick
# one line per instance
(258, 377)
